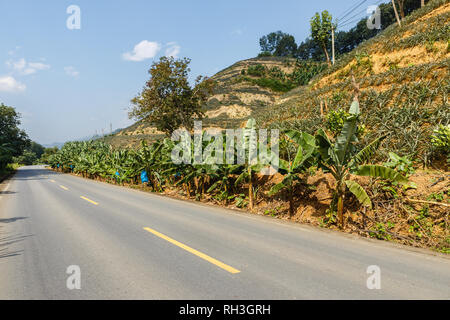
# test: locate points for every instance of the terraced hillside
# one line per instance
(235, 99)
(404, 82)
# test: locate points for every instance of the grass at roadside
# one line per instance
(9, 171)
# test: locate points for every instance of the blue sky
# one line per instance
(69, 83)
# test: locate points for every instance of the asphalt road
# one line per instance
(133, 245)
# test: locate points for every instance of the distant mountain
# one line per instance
(54, 144)
(87, 138)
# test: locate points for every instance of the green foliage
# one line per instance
(305, 71)
(257, 70)
(264, 54)
(279, 81)
(422, 225)
(335, 121)
(401, 164)
(47, 153)
(364, 64)
(382, 231)
(441, 138)
(28, 157)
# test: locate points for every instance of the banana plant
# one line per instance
(304, 158)
(249, 141)
(341, 159)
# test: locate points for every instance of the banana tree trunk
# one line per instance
(250, 189)
(340, 210)
(291, 203)
(188, 190)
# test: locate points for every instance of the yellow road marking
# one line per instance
(193, 251)
(62, 187)
(52, 181)
(89, 200)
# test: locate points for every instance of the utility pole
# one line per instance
(332, 44)
(396, 14)
(422, 3)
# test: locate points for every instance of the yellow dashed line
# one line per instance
(193, 251)
(89, 200)
(62, 187)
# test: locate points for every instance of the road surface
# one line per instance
(59, 231)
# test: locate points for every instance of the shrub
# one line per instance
(256, 70)
(335, 122)
(440, 141)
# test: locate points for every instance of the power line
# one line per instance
(352, 19)
(350, 10)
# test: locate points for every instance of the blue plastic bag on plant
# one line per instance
(144, 176)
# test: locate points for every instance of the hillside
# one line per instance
(404, 82)
(235, 99)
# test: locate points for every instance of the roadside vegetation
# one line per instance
(13, 140)
(16, 149)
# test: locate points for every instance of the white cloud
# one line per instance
(143, 50)
(71, 71)
(173, 50)
(13, 51)
(9, 84)
(22, 67)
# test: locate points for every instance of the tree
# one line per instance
(37, 149)
(286, 47)
(401, 6)
(278, 44)
(13, 140)
(167, 100)
(321, 31)
(269, 43)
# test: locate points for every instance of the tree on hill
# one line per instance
(278, 44)
(167, 100)
(286, 47)
(345, 41)
(321, 31)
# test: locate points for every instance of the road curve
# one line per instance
(133, 245)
